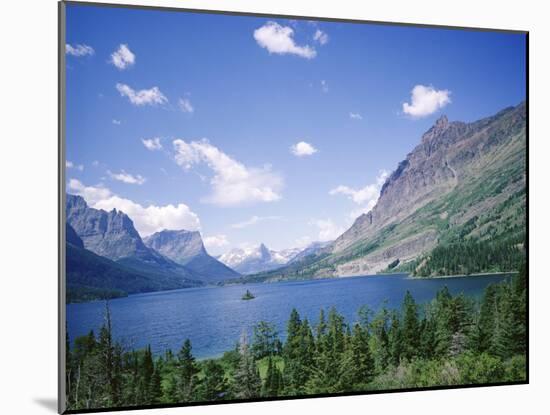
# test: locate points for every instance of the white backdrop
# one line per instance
(28, 154)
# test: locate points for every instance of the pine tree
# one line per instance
(265, 341)
(295, 372)
(155, 387)
(147, 369)
(186, 373)
(247, 382)
(379, 341)
(358, 363)
(213, 386)
(395, 339)
(107, 385)
(410, 327)
(272, 384)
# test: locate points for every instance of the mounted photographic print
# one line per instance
(258, 207)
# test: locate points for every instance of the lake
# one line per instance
(213, 318)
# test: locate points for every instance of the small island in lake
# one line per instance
(248, 295)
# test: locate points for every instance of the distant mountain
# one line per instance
(187, 248)
(455, 204)
(257, 259)
(112, 235)
(90, 276)
(260, 258)
(312, 249)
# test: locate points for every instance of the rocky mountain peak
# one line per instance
(264, 252)
(178, 245)
(110, 234)
(440, 126)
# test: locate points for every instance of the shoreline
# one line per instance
(479, 274)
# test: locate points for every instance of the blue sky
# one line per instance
(262, 129)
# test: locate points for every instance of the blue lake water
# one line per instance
(213, 318)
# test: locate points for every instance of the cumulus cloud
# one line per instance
(116, 122)
(253, 221)
(233, 183)
(324, 86)
(355, 116)
(71, 165)
(280, 40)
(365, 197)
(215, 241)
(302, 149)
(147, 219)
(185, 105)
(79, 50)
(123, 57)
(126, 177)
(328, 230)
(152, 143)
(320, 37)
(426, 100)
(151, 96)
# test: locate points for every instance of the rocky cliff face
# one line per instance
(112, 235)
(187, 248)
(458, 171)
(109, 234)
(465, 179)
(180, 246)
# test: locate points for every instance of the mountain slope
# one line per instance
(187, 248)
(464, 183)
(112, 235)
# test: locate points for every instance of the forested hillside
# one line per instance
(452, 340)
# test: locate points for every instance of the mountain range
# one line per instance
(461, 190)
(261, 258)
(455, 204)
(187, 248)
(106, 256)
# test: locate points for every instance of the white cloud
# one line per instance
(147, 220)
(320, 37)
(328, 230)
(79, 50)
(324, 86)
(71, 165)
(253, 221)
(302, 149)
(185, 105)
(123, 57)
(233, 183)
(426, 100)
(151, 96)
(95, 163)
(152, 143)
(355, 116)
(366, 197)
(116, 122)
(280, 40)
(215, 241)
(126, 177)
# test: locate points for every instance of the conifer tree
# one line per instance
(186, 373)
(410, 327)
(213, 386)
(272, 384)
(247, 382)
